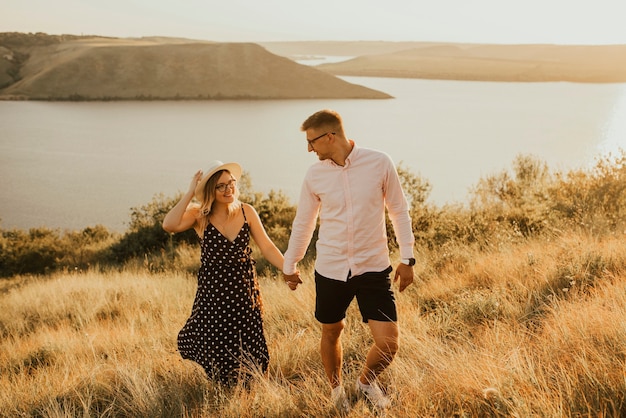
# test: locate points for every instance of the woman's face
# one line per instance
(225, 188)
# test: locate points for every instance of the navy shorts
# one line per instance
(373, 294)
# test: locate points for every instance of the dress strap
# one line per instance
(244, 214)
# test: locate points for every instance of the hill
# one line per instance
(96, 68)
(69, 67)
(575, 63)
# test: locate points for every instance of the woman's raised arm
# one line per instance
(179, 218)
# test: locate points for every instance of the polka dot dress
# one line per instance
(224, 333)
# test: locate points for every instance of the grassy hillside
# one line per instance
(531, 329)
(161, 69)
(517, 310)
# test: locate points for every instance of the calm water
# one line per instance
(72, 165)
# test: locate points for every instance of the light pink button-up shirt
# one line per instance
(350, 201)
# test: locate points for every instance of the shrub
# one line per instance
(43, 250)
(521, 201)
(276, 213)
(504, 208)
(32, 252)
(145, 235)
(595, 199)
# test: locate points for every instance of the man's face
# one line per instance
(319, 142)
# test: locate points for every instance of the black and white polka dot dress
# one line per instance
(224, 333)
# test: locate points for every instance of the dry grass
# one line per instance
(535, 329)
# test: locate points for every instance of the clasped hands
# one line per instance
(404, 274)
(292, 280)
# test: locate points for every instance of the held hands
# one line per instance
(292, 280)
(405, 273)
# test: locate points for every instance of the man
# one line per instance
(349, 189)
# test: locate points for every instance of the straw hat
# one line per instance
(214, 167)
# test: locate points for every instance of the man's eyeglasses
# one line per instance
(222, 186)
(311, 141)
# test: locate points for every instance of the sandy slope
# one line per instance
(601, 63)
(160, 68)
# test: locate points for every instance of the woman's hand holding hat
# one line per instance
(194, 182)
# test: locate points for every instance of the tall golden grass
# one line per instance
(530, 329)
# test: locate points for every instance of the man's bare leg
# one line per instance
(383, 350)
(332, 351)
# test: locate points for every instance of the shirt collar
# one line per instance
(354, 153)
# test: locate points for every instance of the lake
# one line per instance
(73, 165)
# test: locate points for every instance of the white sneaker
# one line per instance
(374, 394)
(340, 400)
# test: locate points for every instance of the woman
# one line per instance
(224, 333)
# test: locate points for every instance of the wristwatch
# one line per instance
(408, 261)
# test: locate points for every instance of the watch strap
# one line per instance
(408, 261)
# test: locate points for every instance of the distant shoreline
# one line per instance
(468, 62)
(71, 68)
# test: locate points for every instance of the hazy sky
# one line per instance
(474, 21)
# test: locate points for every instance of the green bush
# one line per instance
(145, 236)
(35, 251)
(593, 200)
(43, 250)
(522, 201)
(276, 213)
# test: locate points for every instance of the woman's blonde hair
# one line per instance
(206, 207)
